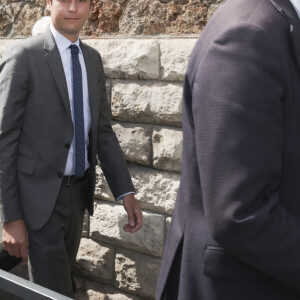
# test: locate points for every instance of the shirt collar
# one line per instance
(296, 4)
(62, 42)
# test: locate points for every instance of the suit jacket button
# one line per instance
(67, 146)
(60, 174)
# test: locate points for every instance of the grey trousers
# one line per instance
(53, 248)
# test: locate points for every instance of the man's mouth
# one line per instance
(72, 19)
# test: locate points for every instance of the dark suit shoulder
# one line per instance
(256, 23)
(95, 56)
(20, 47)
(261, 13)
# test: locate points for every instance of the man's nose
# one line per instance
(73, 6)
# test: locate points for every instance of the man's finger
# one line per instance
(16, 250)
(15, 238)
(24, 252)
(138, 223)
(7, 247)
(131, 219)
(139, 217)
(127, 228)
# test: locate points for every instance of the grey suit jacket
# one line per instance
(36, 130)
(238, 207)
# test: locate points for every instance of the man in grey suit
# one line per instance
(235, 233)
(54, 121)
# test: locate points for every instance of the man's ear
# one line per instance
(48, 4)
(91, 6)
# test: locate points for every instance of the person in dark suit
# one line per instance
(54, 122)
(235, 232)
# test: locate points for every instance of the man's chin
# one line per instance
(71, 31)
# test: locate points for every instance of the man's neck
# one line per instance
(71, 37)
(58, 36)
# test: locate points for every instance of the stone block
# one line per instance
(107, 225)
(102, 190)
(156, 190)
(27, 17)
(137, 273)
(167, 149)
(5, 44)
(97, 291)
(95, 260)
(175, 54)
(147, 102)
(135, 142)
(128, 58)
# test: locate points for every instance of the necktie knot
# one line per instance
(74, 49)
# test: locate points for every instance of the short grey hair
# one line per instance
(41, 25)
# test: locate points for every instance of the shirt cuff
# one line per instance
(121, 197)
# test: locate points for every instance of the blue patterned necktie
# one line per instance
(78, 114)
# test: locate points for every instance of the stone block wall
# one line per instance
(144, 79)
(144, 85)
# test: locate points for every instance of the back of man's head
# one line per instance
(41, 25)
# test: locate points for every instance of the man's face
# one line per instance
(69, 16)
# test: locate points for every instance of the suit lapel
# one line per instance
(288, 11)
(55, 64)
(296, 42)
(93, 87)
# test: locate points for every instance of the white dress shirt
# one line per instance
(63, 45)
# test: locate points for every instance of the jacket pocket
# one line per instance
(218, 262)
(25, 165)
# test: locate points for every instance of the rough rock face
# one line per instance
(132, 273)
(150, 16)
(134, 17)
(18, 17)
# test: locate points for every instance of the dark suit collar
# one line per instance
(287, 10)
(55, 64)
(286, 7)
(49, 42)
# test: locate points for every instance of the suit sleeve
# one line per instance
(238, 95)
(13, 95)
(111, 157)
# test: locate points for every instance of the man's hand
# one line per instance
(15, 239)
(135, 217)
